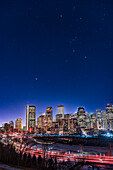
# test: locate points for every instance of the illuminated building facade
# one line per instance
(11, 123)
(81, 122)
(81, 117)
(58, 117)
(30, 116)
(94, 121)
(109, 111)
(99, 119)
(88, 122)
(104, 120)
(18, 124)
(60, 110)
(44, 123)
(49, 112)
(6, 127)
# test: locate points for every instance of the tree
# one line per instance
(55, 164)
(39, 159)
(28, 160)
(50, 163)
(24, 159)
(34, 160)
(20, 155)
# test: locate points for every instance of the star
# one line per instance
(73, 50)
(36, 78)
(81, 18)
(61, 16)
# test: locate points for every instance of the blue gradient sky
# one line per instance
(55, 52)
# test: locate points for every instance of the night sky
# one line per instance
(55, 52)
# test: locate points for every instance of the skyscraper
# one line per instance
(81, 111)
(30, 116)
(18, 124)
(11, 123)
(49, 112)
(104, 120)
(99, 119)
(60, 110)
(109, 110)
(81, 117)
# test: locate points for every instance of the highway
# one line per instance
(66, 156)
(62, 155)
(72, 157)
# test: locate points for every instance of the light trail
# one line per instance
(43, 143)
(72, 157)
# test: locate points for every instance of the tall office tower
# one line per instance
(73, 125)
(81, 111)
(104, 114)
(18, 124)
(30, 116)
(76, 116)
(99, 115)
(87, 115)
(6, 127)
(104, 120)
(40, 121)
(94, 124)
(81, 117)
(11, 123)
(68, 116)
(87, 120)
(99, 119)
(44, 123)
(49, 112)
(65, 126)
(49, 122)
(93, 116)
(109, 110)
(60, 110)
(58, 117)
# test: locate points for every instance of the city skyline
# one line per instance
(54, 112)
(53, 53)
